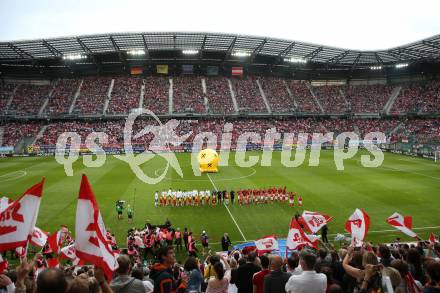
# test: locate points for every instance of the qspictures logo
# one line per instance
(345, 146)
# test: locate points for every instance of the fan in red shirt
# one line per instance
(258, 278)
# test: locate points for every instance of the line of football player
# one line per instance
(180, 198)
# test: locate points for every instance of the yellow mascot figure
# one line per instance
(208, 161)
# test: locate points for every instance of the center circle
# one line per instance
(252, 173)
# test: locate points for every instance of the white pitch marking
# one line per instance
(230, 214)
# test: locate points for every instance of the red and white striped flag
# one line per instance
(357, 225)
(296, 239)
(402, 223)
(314, 221)
(90, 243)
(18, 219)
(38, 237)
(68, 252)
(266, 244)
(237, 71)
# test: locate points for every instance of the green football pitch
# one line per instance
(410, 186)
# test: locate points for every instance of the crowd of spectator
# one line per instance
(167, 259)
(6, 91)
(125, 95)
(156, 94)
(93, 95)
(277, 95)
(248, 95)
(303, 97)
(418, 97)
(331, 99)
(423, 130)
(219, 95)
(13, 132)
(188, 95)
(62, 97)
(28, 99)
(368, 98)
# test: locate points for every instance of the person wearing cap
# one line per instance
(309, 281)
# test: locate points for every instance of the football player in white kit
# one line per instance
(156, 199)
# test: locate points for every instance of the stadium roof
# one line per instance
(427, 49)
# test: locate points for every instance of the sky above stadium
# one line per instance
(364, 25)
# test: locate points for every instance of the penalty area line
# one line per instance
(230, 214)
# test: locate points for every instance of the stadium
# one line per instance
(126, 114)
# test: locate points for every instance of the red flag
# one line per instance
(4, 203)
(18, 219)
(314, 221)
(402, 223)
(90, 244)
(357, 225)
(38, 237)
(432, 238)
(266, 244)
(52, 262)
(296, 239)
(55, 241)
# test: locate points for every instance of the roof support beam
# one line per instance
(83, 46)
(19, 51)
(147, 51)
(202, 47)
(117, 49)
(313, 54)
(54, 51)
(338, 57)
(379, 60)
(356, 61)
(257, 50)
(230, 48)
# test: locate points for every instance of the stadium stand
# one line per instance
(219, 95)
(368, 98)
(188, 95)
(331, 99)
(303, 97)
(62, 96)
(248, 95)
(277, 94)
(6, 91)
(418, 97)
(125, 95)
(93, 95)
(28, 99)
(156, 94)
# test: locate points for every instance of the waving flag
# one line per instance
(402, 223)
(38, 237)
(55, 241)
(296, 239)
(266, 244)
(18, 219)
(68, 252)
(4, 203)
(357, 225)
(314, 221)
(90, 243)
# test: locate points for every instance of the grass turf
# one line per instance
(407, 185)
